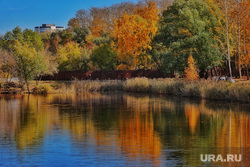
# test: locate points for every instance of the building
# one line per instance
(48, 28)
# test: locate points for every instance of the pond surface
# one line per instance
(120, 130)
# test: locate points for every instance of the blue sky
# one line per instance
(31, 13)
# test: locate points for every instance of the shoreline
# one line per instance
(201, 89)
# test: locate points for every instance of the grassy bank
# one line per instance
(239, 91)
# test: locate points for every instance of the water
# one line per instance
(120, 130)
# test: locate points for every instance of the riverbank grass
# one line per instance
(207, 89)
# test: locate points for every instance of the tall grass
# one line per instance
(239, 91)
(207, 89)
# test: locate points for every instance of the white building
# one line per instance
(49, 28)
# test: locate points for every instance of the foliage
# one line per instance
(29, 62)
(65, 37)
(33, 39)
(73, 23)
(97, 41)
(133, 36)
(191, 71)
(189, 25)
(72, 57)
(80, 35)
(104, 57)
(29, 37)
(7, 64)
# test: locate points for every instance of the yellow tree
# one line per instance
(191, 71)
(133, 35)
(72, 57)
(245, 59)
(149, 12)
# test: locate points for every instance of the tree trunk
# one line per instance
(27, 84)
(212, 75)
(206, 75)
(228, 47)
(239, 61)
(201, 74)
(215, 71)
(247, 73)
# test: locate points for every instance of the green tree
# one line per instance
(189, 25)
(80, 35)
(104, 57)
(29, 37)
(65, 37)
(33, 39)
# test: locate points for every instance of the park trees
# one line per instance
(188, 26)
(29, 62)
(72, 57)
(104, 57)
(25, 56)
(133, 35)
(7, 64)
(80, 35)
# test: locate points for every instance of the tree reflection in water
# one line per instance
(156, 130)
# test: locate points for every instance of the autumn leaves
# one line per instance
(133, 35)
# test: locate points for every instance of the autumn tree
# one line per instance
(101, 18)
(133, 35)
(245, 59)
(54, 43)
(65, 37)
(7, 64)
(29, 62)
(191, 72)
(48, 64)
(99, 25)
(72, 57)
(73, 23)
(240, 18)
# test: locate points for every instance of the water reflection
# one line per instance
(119, 130)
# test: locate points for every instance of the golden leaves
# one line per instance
(191, 71)
(134, 33)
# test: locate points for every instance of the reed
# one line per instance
(207, 89)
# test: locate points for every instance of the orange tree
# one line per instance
(191, 71)
(133, 36)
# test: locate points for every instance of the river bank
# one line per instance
(203, 89)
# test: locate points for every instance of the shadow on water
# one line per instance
(120, 130)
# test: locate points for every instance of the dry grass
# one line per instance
(239, 91)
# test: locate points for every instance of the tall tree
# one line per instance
(104, 57)
(7, 64)
(189, 24)
(80, 35)
(133, 36)
(73, 23)
(29, 62)
(72, 57)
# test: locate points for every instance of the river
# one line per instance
(121, 130)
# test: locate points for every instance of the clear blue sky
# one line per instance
(31, 13)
